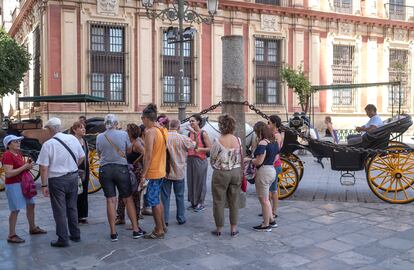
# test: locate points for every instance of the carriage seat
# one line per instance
(26, 124)
(380, 136)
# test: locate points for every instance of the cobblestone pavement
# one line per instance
(324, 226)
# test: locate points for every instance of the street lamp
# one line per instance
(179, 11)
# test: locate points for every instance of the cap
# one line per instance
(54, 121)
(10, 138)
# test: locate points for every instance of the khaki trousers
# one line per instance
(225, 186)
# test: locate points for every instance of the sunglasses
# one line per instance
(16, 141)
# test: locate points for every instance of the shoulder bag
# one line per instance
(132, 177)
(80, 186)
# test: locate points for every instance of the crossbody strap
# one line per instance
(121, 153)
(241, 155)
(67, 148)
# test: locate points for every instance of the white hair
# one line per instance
(110, 121)
(54, 124)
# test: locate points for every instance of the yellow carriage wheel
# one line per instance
(35, 171)
(391, 177)
(288, 179)
(397, 143)
(2, 178)
(298, 164)
(94, 184)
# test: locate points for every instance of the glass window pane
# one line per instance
(259, 50)
(98, 85)
(187, 89)
(116, 39)
(272, 51)
(97, 38)
(169, 89)
(116, 87)
(168, 49)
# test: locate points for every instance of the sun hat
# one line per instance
(9, 138)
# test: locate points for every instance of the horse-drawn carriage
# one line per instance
(388, 163)
(34, 136)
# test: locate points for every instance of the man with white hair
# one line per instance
(112, 146)
(58, 160)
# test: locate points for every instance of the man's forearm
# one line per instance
(44, 175)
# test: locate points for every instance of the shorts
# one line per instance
(265, 176)
(15, 197)
(274, 186)
(115, 176)
(152, 196)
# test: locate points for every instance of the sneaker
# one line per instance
(114, 237)
(140, 233)
(261, 228)
(199, 208)
(273, 224)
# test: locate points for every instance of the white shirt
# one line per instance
(57, 158)
(374, 121)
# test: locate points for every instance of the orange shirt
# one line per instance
(157, 165)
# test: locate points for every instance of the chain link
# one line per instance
(303, 136)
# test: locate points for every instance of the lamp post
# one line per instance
(179, 11)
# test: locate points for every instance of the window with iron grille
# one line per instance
(171, 71)
(343, 6)
(107, 46)
(273, 2)
(397, 9)
(398, 71)
(268, 64)
(342, 71)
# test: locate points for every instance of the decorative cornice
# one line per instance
(298, 12)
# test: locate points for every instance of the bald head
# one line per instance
(175, 124)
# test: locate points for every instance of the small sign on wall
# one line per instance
(107, 7)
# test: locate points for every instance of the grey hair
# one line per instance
(54, 124)
(174, 124)
(110, 121)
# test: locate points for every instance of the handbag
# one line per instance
(28, 185)
(132, 177)
(250, 172)
(80, 186)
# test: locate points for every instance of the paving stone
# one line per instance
(397, 243)
(298, 241)
(356, 239)
(328, 264)
(397, 264)
(217, 261)
(335, 246)
(354, 259)
(377, 251)
(312, 252)
(285, 260)
(392, 225)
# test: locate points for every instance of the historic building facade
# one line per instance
(109, 48)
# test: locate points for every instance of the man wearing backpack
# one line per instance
(178, 145)
(59, 159)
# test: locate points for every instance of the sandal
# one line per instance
(37, 230)
(216, 233)
(15, 239)
(234, 234)
(153, 235)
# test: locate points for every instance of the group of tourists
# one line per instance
(141, 166)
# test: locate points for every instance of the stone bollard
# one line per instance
(233, 82)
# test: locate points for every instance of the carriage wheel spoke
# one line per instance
(408, 184)
(403, 189)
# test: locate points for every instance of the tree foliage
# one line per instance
(14, 63)
(297, 80)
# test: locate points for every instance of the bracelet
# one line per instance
(44, 185)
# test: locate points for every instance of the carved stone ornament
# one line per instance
(400, 34)
(108, 7)
(345, 28)
(270, 23)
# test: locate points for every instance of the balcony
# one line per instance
(395, 10)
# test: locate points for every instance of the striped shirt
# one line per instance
(178, 146)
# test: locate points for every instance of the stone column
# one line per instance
(233, 81)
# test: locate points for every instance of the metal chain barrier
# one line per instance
(301, 134)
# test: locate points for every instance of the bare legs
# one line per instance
(158, 214)
(266, 210)
(12, 222)
(111, 212)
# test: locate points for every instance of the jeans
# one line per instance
(179, 198)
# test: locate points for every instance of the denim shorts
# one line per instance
(152, 197)
(15, 197)
(274, 186)
(115, 176)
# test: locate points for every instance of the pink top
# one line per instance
(199, 144)
(278, 162)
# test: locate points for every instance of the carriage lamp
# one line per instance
(179, 11)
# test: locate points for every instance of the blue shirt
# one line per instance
(271, 149)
